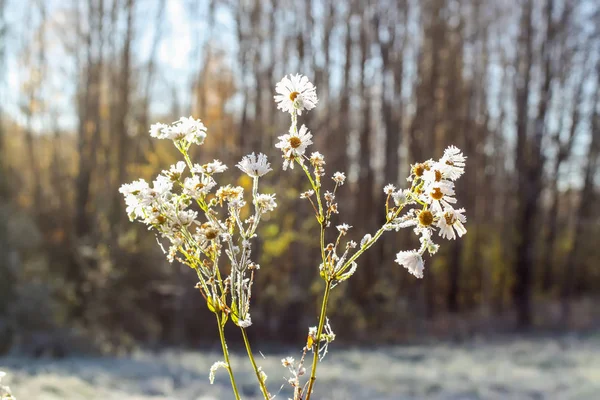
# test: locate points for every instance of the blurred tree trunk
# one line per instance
(563, 154)
(458, 102)
(563, 146)
(337, 144)
(366, 203)
(121, 117)
(88, 144)
(34, 105)
(526, 193)
(142, 139)
(572, 267)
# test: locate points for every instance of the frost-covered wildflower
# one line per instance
(450, 221)
(198, 186)
(453, 162)
(293, 145)
(317, 159)
(389, 189)
(295, 94)
(230, 193)
(254, 166)
(412, 261)
(417, 170)
(339, 178)
(439, 195)
(175, 171)
(186, 217)
(288, 361)
(307, 194)
(343, 228)
(329, 196)
(401, 197)
(136, 194)
(266, 202)
(215, 167)
(188, 130)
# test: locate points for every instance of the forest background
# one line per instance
(515, 84)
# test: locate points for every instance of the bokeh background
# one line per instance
(514, 83)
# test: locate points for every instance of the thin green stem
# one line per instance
(313, 373)
(226, 356)
(263, 388)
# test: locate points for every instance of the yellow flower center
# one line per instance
(295, 142)
(425, 218)
(438, 176)
(293, 95)
(419, 169)
(449, 217)
(436, 194)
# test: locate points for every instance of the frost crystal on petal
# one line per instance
(412, 261)
(254, 166)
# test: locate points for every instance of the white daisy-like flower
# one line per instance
(412, 261)
(198, 186)
(254, 166)
(389, 189)
(230, 193)
(185, 129)
(134, 188)
(215, 167)
(450, 221)
(266, 202)
(188, 128)
(175, 171)
(158, 130)
(439, 195)
(435, 173)
(339, 178)
(295, 94)
(186, 217)
(343, 228)
(161, 186)
(293, 145)
(453, 162)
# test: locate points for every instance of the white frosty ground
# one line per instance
(557, 368)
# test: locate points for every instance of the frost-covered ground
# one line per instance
(524, 368)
